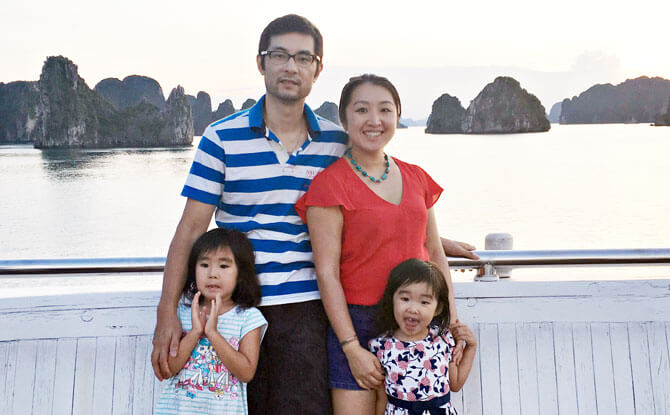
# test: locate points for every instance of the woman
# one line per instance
(366, 213)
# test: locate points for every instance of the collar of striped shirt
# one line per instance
(256, 119)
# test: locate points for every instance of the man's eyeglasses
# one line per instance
(278, 57)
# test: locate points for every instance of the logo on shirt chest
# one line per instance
(311, 172)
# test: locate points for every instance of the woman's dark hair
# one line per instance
(348, 90)
(414, 271)
(291, 23)
(247, 292)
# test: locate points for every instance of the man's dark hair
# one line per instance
(291, 23)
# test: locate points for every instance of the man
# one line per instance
(250, 169)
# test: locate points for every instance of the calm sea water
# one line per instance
(577, 186)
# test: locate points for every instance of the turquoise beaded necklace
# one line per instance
(363, 172)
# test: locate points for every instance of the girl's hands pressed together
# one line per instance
(213, 319)
(198, 317)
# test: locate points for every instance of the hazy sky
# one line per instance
(555, 49)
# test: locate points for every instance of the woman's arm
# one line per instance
(242, 362)
(325, 230)
(436, 253)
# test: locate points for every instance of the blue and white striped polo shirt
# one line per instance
(236, 169)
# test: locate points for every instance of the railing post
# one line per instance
(487, 273)
(495, 242)
(498, 242)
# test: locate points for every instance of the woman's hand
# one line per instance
(458, 249)
(462, 333)
(213, 319)
(364, 366)
(198, 318)
(457, 353)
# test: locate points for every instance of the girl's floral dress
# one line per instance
(415, 371)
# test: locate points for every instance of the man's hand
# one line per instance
(458, 249)
(166, 340)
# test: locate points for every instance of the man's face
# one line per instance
(289, 82)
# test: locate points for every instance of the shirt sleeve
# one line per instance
(205, 180)
(432, 189)
(254, 319)
(184, 313)
(327, 189)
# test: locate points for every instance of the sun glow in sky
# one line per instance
(555, 49)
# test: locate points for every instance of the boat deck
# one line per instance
(588, 347)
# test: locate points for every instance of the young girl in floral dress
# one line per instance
(416, 348)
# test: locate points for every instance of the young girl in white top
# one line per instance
(218, 352)
(416, 348)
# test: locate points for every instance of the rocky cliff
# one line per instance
(223, 110)
(18, 111)
(329, 111)
(201, 108)
(555, 113)
(178, 127)
(131, 91)
(504, 107)
(248, 103)
(446, 116)
(72, 115)
(664, 118)
(637, 100)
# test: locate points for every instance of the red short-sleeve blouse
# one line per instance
(376, 235)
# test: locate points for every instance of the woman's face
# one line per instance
(371, 118)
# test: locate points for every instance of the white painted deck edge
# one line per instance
(587, 347)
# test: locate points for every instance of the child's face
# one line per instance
(414, 306)
(216, 272)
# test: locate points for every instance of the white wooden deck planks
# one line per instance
(537, 355)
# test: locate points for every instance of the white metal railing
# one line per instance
(488, 264)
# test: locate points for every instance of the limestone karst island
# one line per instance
(61, 111)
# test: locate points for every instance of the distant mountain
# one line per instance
(414, 123)
(201, 108)
(131, 91)
(329, 111)
(224, 109)
(664, 118)
(446, 116)
(638, 100)
(555, 113)
(502, 107)
(250, 102)
(73, 115)
(18, 111)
